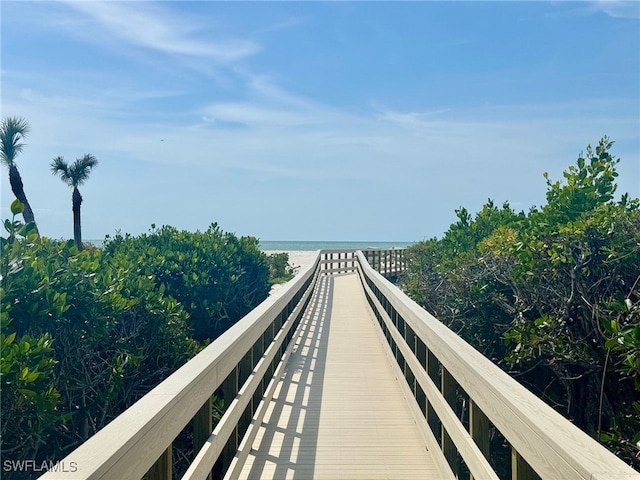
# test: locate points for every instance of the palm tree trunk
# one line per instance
(76, 200)
(18, 190)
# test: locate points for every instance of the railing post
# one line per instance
(520, 469)
(386, 261)
(202, 428)
(162, 469)
(448, 389)
(421, 356)
(229, 392)
(395, 262)
(479, 429)
(245, 367)
(411, 339)
(433, 370)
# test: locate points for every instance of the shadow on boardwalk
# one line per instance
(339, 412)
(296, 405)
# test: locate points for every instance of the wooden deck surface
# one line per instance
(338, 411)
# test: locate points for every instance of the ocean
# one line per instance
(289, 246)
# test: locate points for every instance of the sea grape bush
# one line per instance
(88, 337)
(279, 268)
(216, 276)
(552, 296)
(84, 334)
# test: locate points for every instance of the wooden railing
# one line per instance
(237, 367)
(450, 380)
(389, 263)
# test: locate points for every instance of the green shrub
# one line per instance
(88, 333)
(217, 277)
(552, 296)
(280, 270)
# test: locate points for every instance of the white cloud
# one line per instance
(617, 8)
(143, 24)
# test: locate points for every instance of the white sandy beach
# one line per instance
(297, 258)
(300, 259)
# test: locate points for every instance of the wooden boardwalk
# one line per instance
(339, 411)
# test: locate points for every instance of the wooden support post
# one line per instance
(433, 370)
(162, 469)
(520, 469)
(421, 352)
(410, 338)
(202, 428)
(385, 253)
(448, 389)
(245, 367)
(229, 392)
(479, 429)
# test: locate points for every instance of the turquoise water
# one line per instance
(311, 245)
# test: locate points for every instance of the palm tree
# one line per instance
(74, 175)
(12, 132)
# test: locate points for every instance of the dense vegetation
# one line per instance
(552, 295)
(85, 333)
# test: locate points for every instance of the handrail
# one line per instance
(138, 442)
(436, 363)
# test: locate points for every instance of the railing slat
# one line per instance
(448, 388)
(520, 469)
(202, 428)
(479, 429)
(162, 469)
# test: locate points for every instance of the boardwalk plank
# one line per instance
(339, 412)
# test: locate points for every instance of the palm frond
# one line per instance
(61, 168)
(81, 169)
(12, 132)
(75, 174)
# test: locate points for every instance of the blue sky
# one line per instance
(313, 120)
